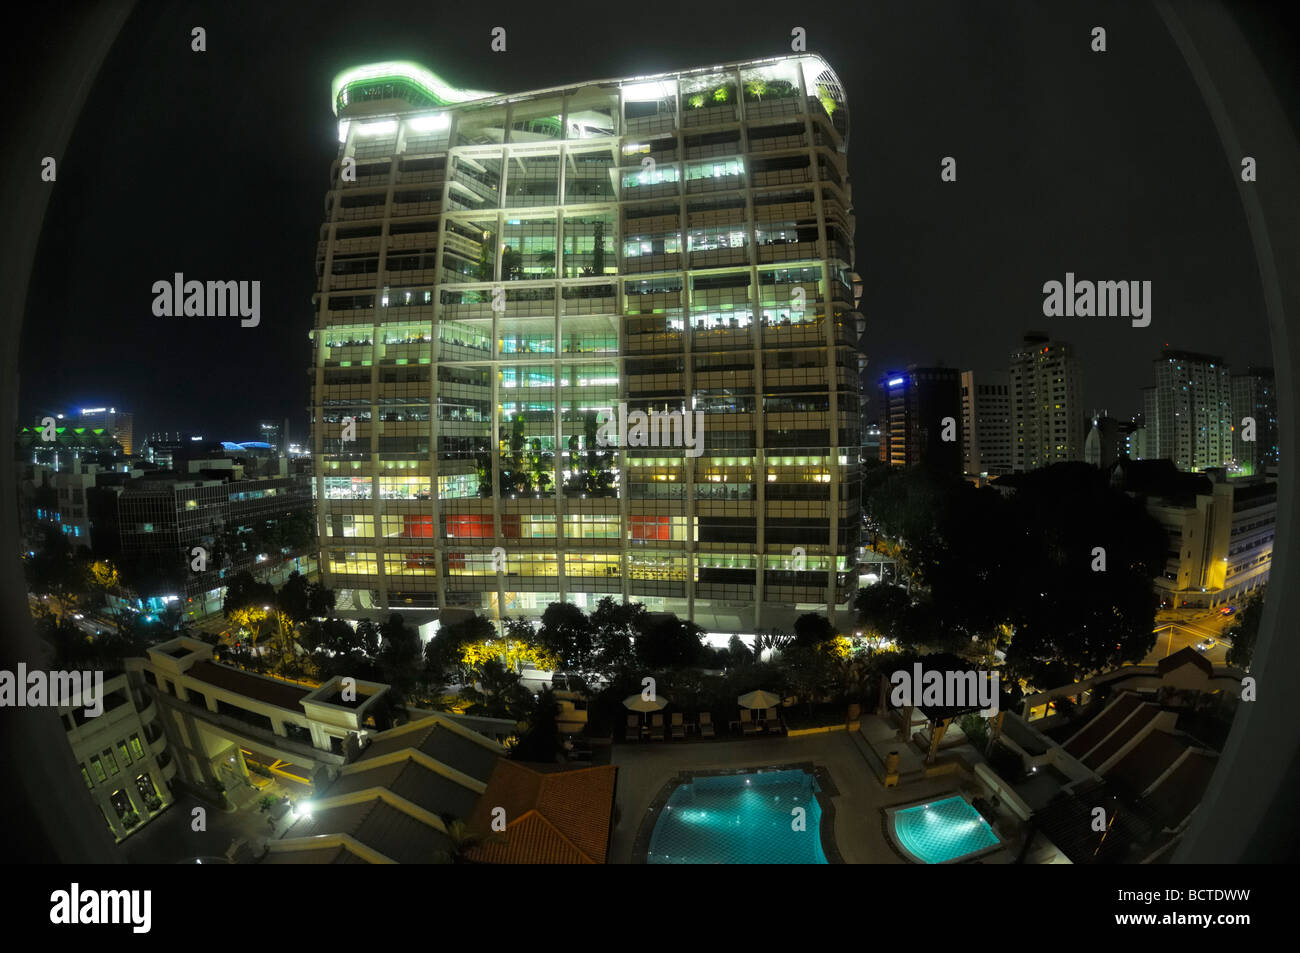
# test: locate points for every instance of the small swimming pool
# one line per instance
(943, 831)
(740, 819)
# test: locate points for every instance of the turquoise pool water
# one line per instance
(943, 830)
(740, 819)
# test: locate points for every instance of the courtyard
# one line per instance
(859, 801)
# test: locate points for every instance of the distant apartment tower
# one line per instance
(1189, 411)
(986, 423)
(1046, 420)
(1254, 395)
(499, 274)
(918, 408)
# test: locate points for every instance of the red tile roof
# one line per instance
(552, 817)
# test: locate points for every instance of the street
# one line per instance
(1177, 629)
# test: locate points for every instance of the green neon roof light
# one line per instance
(414, 74)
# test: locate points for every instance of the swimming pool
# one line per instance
(740, 819)
(943, 831)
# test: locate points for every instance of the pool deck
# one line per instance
(645, 768)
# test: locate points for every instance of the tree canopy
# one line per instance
(1063, 561)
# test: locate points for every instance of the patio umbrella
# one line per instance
(643, 705)
(638, 703)
(759, 699)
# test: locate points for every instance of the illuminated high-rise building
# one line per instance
(118, 423)
(1191, 420)
(1046, 418)
(503, 277)
(920, 418)
(1254, 399)
(986, 423)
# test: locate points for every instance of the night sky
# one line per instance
(215, 164)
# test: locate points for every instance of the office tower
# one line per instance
(272, 434)
(506, 280)
(986, 423)
(120, 425)
(1106, 441)
(259, 524)
(1046, 420)
(1254, 396)
(1191, 420)
(919, 407)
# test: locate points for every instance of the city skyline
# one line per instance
(947, 277)
(651, 416)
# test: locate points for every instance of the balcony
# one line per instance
(644, 264)
(785, 106)
(717, 257)
(652, 302)
(738, 377)
(789, 335)
(360, 213)
(589, 305)
(650, 124)
(652, 342)
(709, 116)
(773, 143)
(789, 251)
(723, 339)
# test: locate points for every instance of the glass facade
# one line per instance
(506, 281)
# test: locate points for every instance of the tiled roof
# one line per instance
(1185, 656)
(1152, 757)
(1178, 794)
(411, 780)
(379, 826)
(1102, 725)
(552, 817)
(1132, 726)
(438, 742)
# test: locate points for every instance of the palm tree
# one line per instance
(464, 839)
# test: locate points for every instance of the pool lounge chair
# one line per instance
(679, 729)
(747, 724)
(706, 724)
(772, 722)
(658, 730)
(633, 728)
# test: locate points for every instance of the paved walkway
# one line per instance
(859, 834)
(170, 838)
